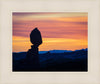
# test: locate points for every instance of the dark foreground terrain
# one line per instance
(65, 61)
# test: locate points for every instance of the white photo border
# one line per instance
(7, 76)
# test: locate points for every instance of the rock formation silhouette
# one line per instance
(32, 57)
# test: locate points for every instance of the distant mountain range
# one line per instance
(59, 51)
(56, 51)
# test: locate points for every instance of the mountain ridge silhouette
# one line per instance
(58, 51)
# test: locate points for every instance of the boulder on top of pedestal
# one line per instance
(35, 37)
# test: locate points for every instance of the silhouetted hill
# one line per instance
(54, 60)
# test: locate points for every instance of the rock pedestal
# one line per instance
(32, 54)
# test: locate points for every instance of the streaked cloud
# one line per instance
(56, 27)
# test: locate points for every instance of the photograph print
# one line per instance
(50, 41)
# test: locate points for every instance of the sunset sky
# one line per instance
(60, 30)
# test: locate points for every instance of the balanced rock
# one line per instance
(35, 37)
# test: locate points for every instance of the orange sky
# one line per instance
(62, 31)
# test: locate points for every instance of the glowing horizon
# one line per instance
(60, 31)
